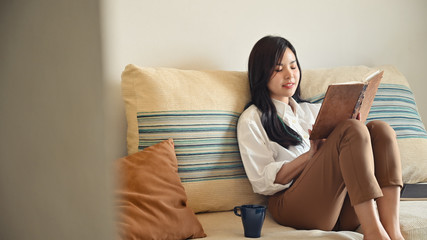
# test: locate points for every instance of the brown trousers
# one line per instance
(351, 167)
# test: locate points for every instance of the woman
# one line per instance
(328, 184)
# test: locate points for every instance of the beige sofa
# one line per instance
(199, 111)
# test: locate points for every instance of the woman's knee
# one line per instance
(381, 129)
(354, 128)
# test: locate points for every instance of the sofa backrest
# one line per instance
(200, 109)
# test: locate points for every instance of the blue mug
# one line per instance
(252, 218)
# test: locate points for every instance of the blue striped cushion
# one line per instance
(205, 142)
(395, 104)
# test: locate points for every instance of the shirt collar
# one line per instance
(285, 109)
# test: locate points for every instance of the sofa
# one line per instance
(183, 174)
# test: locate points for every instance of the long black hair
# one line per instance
(265, 55)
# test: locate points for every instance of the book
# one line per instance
(345, 101)
(414, 192)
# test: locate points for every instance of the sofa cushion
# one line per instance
(225, 225)
(152, 201)
(394, 104)
(199, 110)
(413, 219)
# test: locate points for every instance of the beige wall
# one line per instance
(219, 34)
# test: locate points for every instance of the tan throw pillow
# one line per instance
(152, 200)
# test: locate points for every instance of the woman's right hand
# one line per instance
(294, 168)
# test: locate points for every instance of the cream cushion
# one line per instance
(225, 225)
(413, 219)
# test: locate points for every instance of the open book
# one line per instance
(345, 101)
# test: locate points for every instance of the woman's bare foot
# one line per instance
(376, 235)
(397, 236)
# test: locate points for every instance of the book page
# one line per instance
(367, 79)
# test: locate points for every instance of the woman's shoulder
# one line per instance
(251, 113)
(249, 122)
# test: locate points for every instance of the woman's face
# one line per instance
(284, 81)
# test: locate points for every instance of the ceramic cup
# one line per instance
(252, 218)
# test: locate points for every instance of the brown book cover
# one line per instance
(345, 101)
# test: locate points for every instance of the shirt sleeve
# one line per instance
(258, 159)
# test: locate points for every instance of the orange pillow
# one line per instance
(152, 202)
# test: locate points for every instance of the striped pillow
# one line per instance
(205, 142)
(394, 104)
(199, 110)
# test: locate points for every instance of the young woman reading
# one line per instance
(327, 184)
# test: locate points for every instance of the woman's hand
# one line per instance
(359, 116)
(294, 168)
(315, 145)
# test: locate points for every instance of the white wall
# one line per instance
(219, 34)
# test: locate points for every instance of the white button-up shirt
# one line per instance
(263, 158)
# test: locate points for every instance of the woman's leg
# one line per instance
(347, 220)
(388, 208)
(315, 200)
(371, 224)
(389, 175)
(357, 167)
